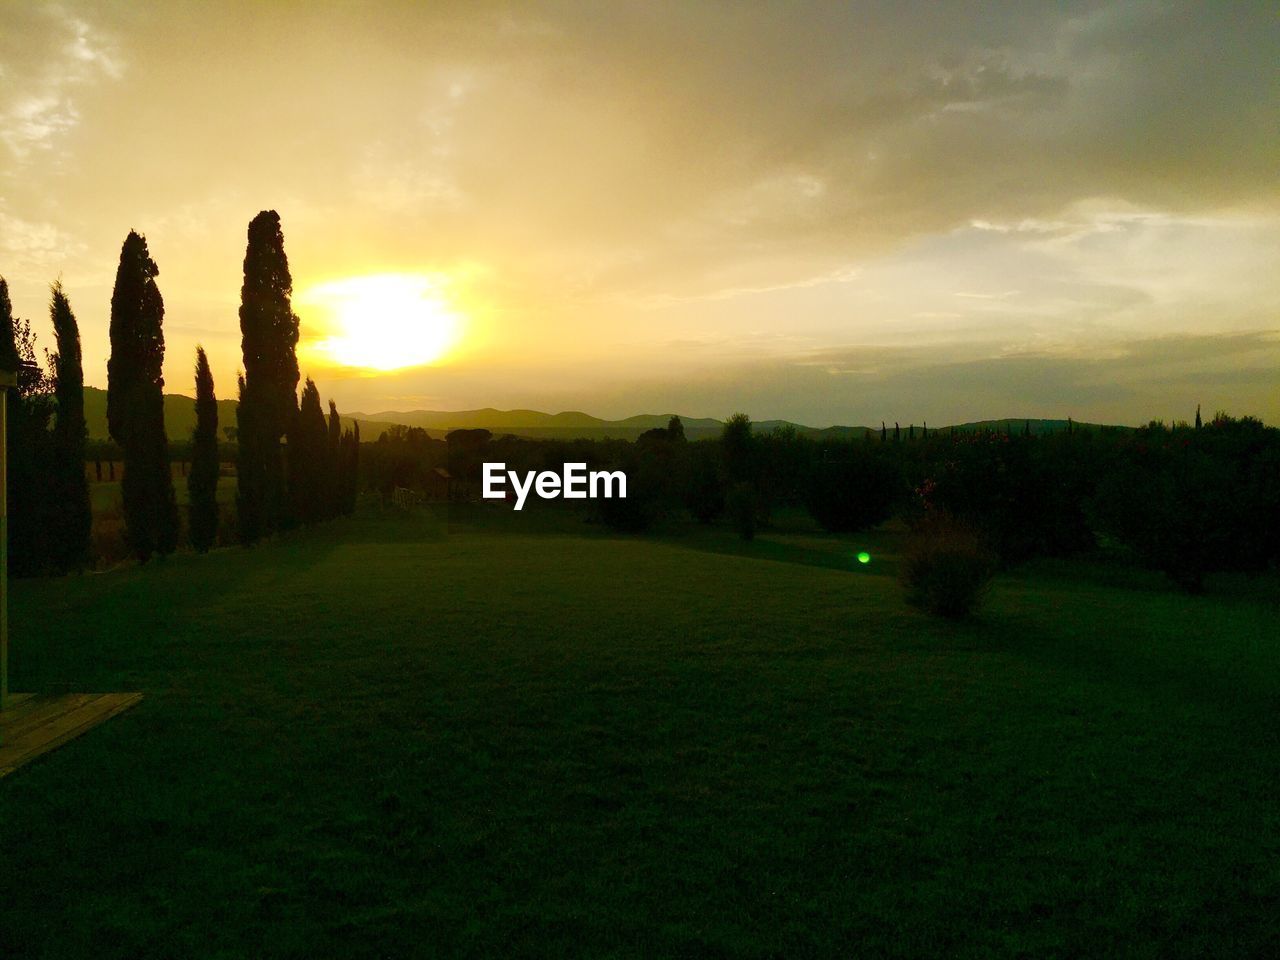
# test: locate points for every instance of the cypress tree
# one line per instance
(30, 409)
(307, 445)
(72, 517)
(911, 432)
(884, 432)
(312, 444)
(351, 465)
(269, 339)
(202, 482)
(9, 358)
(333, 464)
(1197, 416)
(924, 431)
(135, 402)
(897, 432)
(250, 474)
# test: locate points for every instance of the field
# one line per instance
(511, 736)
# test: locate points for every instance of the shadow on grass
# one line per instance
(826, 551)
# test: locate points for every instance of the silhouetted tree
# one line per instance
(69, 486)
(897, 432)
(9, 358)
(738, 447)
(202, 482)
(705, 494)
(851, 488)
(30, 448)
(1198, 423)
(333, 464)
(911, 432)
(268, 399)
(675, 428)
(351, 462)
(308, 443)
(135, 402)
(884, 432)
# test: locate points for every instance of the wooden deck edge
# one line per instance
(117, 703)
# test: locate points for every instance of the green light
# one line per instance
(864, 557)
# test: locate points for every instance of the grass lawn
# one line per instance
(507, 737)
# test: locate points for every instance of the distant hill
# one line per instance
(533, 423)
(180, 417)
(180, 420)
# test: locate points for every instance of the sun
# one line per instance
(381, 322)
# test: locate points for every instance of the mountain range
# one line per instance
(180, 419)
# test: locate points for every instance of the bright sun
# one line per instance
(382, 322)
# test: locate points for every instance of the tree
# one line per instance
(333, 463)
(135, 402)
(850, 488)
(69, 486)
(675, 429)
(250, 470)
(308, 442)
(1198, 422)
(738, 447)
(268, 399)
(349, 468)
(30, 409)
(202, 482)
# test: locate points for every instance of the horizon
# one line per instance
(376, 416)
(815, 215)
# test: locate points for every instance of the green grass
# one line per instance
(511, 736)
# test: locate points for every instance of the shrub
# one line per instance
(946, 567)
(740, 504)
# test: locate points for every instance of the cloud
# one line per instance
(49, 57)
(1055, 180)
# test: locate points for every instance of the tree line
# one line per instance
(294, 465)
(1187, 499)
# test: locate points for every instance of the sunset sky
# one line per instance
(830, 213)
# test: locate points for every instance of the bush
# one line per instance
(740, 504)
(946, 567)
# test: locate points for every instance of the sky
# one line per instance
(830, 213)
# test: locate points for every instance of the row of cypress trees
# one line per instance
(294, 464)
(311, 476)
